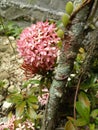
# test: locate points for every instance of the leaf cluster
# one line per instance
(9, 28)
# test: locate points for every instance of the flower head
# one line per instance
(9, 124)
(37, 46)
(43, 99)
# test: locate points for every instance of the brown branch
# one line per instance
(81, 6)
(76, 93)
(93, 11)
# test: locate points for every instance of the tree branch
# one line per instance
(72, 41)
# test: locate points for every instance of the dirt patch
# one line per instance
(10, 62)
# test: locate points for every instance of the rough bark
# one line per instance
(92, 51)
(73, 39)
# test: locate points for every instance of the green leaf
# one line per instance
(32, 114)
(20, 109)
(33, 90)
(92, 126)
(30, 82)
(32, 99)
(35, 106)
(80, 122)
(10, 115)
(60, 33)
(39, 116)
(59, 24)
(14, 98)
(84, 100)
(2, 83)
(69, 126)
(94, 113)
(90, 82)
(59, 44)
(71, 119)
(94, 78)
(83, 111)
(65, 19)
(69, 7)
(96, 121)
(17, 122)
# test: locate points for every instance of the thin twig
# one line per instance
(79, 8)
(93, 10)
(76, 93)
(7, 36)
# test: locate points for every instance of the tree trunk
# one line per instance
(72, 42)
(92, 51)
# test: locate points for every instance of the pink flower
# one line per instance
(26, 125)
(37, 46)
(43, 99)
(21, 126)
(9, 124)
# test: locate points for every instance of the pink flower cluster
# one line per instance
(37, 46)
(43, 99)
(21, 126)
(27, 125)
(9, 125)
